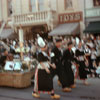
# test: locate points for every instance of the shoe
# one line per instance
(73, 86)
(55, 96)
(36, 95)
(67, 90)
(59, 83)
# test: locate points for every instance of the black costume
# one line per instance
(43, 80)
(81, 61)
(68, 58)
(59, 71)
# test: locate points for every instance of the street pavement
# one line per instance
(81, 92)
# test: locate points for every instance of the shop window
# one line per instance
(96, 2)
(10, 10)
(68, 4)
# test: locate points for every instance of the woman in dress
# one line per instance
(43, 78)
(82, 61)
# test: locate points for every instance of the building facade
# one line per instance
(92, 10)
(92, 16)
(39, 16)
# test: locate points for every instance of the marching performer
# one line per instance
(59, 71)
(68, 59)
(82, 61)
(43, 79)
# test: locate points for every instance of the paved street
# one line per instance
(81, 92)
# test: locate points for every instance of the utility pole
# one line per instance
(21, 41)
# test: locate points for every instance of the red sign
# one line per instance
(70, 17)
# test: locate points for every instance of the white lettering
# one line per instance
(77, 17)
(66, 18)
(70, 17)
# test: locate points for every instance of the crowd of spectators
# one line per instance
(90, 44)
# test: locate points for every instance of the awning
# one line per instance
(6, 33)
(66, 29)
(93, 27)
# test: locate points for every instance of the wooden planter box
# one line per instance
(15, 79)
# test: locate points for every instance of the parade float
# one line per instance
(17, 73)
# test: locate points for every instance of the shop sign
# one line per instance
(70, 17)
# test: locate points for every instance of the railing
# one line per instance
(33, 18)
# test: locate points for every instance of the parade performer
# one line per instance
(59, 71)
(82, 61)
(68, 59)
(43, 79)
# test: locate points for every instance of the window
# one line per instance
(33, 5)
(10, 10)
(53, 4)
(41, 5)
(68, 4)
(96, 2)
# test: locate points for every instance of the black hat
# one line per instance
(70, 43)
(58, 40)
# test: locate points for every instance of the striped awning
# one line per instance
(6, 33)
(66, 29)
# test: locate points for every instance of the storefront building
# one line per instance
(40, 16)
(92, 16)
(69, 24)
